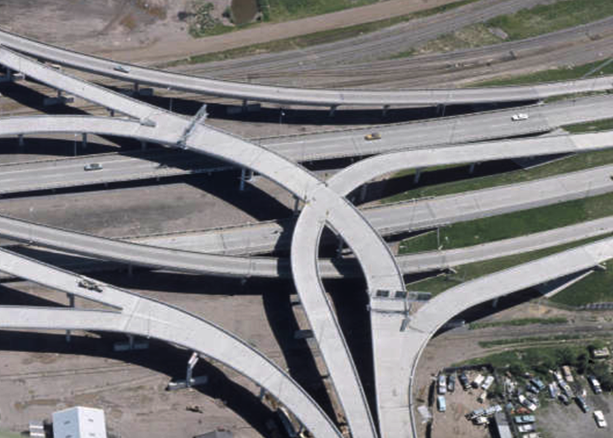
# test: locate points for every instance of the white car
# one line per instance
(519, 117)
(92, 166)
(600, 421)
(122, 68)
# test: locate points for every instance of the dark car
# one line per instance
(451, 383)
(464, 381)
(564, 399)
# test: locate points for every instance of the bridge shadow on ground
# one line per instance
(160, 357)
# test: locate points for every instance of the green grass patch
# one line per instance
(551, 75)
(285, 10)
(602, 125)
(595, 288)
(553, 17)
(312, 39)
(6, 434)
(441, 283)
(518, 322)
(514, 224)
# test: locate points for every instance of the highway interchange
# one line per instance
(399, 334)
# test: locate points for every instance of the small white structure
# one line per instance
(79, 422)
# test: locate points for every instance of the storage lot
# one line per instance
(558, 421)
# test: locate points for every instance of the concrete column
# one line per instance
(21, 143)
(385, 109)
(495, 303)
(296, 205)
(84, 140)
(417, 175)
(70, 304)
(333, 110)
(111, 112)
(241, 186)
(471, 169)
(245, 105)
(143, 145)
(363, 191)
(130, 270)
(191, 363)
(339, 249)
(135, 88)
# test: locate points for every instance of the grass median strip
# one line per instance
(506, 226)
(440, 283)
(595, 288)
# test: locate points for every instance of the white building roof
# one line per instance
(79, 422)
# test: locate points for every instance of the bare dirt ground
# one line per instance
(149, 36)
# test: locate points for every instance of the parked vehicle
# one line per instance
(600, 420)
(553, 390)
(524, 419)
(531, 388)
(564, 399)
(595, 384)
(482, 397)
(525, 428)
(537, 383)
(568, 375)
(526, 403)
(582, 404)
(442, 384)
(478, 381)
(464, 381)
(488, 382)
(441, 403)
(451, 383)
(480, 421)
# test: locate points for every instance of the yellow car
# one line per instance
(372, 136)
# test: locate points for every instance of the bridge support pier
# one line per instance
(111, 112)
(495, 303)
(130, 270)
(84, 140)
(143, 145)
(339, 248)
(417, 175)
(21, 142)
(440, 110)
(246, 175)
(189, 381)
(385, 109)
(333, 110)
(471, 169)
(363, 191)
(70, 304)
(296, 205)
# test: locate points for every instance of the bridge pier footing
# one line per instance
(189, 381)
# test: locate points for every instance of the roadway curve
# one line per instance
(297, 96)
(435, 313)
(369, 247)
(137, 315)
(388, 318)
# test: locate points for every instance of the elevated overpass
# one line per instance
(371, 251)
(295, 96)
(133, 314)
(138, 165)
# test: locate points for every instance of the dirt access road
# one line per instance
(102, 28)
